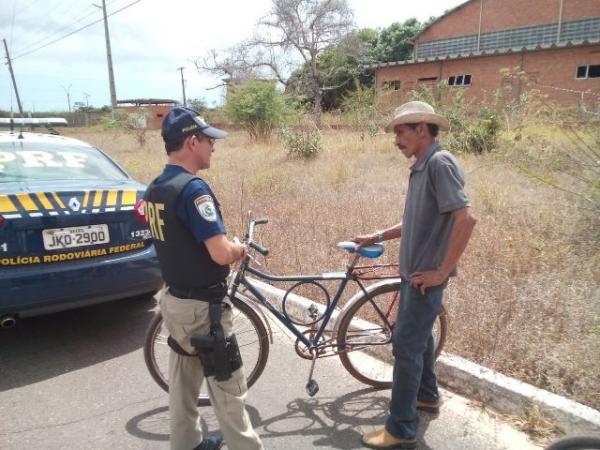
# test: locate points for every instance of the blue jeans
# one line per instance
(413, 348)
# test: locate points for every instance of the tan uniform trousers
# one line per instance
(184, 317)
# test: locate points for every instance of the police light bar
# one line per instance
(33, 121)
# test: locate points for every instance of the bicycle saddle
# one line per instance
(372, 251)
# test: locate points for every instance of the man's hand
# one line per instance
(241, 248)
(364, 240)
(424, 280)
(223, 251)
(244, 251)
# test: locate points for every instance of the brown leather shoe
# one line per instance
(381, 439)
(432, 408)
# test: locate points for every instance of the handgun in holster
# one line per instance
(219, 355)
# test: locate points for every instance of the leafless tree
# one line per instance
(293, 30)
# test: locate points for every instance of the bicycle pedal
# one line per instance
(312, 388)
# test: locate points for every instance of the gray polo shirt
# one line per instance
(435, 189)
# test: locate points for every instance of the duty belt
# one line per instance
(213, 293)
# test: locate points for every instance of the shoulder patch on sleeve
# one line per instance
(206, 208)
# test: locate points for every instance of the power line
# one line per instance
(51, 35)
(77, 30)
(56, 32)
(76, 21)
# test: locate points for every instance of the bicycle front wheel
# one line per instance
(365, 336)
(576, 443)
(249, 330)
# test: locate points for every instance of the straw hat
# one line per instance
(416, 112)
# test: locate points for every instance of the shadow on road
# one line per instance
(330, 422)
(43, 347)
(335, 423)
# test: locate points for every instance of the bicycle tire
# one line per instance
(361, 366)
(250, 332)
(576, 443)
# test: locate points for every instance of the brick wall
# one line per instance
(504, 14)
(552, 71)
(580, 9)
(463, 21)
(154, 114)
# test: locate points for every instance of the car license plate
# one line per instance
(59, 238)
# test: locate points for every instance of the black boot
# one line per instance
(210, 443)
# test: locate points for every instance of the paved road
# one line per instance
(76, 380)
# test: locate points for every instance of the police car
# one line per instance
(72, 227)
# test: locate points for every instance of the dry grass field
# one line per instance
(527, 299)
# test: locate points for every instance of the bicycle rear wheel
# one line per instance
(249, 330)
(365, 336)
(576, 443)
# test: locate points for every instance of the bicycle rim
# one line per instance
(252, 339)
(365, 336)
(576, 443)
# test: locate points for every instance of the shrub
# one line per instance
(258, 107)
(470, 131)
(134, 124)
(303, 140)
(360, 110)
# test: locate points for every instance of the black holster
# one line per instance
(219, 355)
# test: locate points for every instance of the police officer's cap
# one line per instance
(181, 122)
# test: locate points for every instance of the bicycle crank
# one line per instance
(312, 387)
(303, 351)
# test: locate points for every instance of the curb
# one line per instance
(504, 394)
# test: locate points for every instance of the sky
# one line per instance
(150, 40)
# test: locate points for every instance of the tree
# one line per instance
(293, 29)
(395, 41)
(199, 104)
(341, 67)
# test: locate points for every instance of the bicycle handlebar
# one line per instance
(259, 248)
(250, 234)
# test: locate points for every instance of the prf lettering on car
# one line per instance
(154, 215)
(31, 158)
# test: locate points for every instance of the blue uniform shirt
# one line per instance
(197, 207)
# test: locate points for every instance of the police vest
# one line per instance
(185, 264)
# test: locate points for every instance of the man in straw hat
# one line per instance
(435, 229)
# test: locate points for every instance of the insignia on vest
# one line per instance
(206, 208)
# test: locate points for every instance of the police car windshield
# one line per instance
(44, 161)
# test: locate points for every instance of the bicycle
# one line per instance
(576, 443)
(361, 334)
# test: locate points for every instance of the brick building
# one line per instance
(480, 46)
(147, 112)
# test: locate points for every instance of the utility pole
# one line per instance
(68, 92)
(111, 77)
(182, 85)
(12, 75)
(86, 114)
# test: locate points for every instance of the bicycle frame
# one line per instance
(343, 277)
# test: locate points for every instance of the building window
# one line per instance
(584, 72)
(577, 30)
(459, 80)
(428, 80)
(391, 85)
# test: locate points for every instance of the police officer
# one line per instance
(194, 255)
